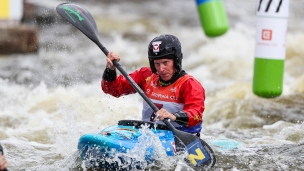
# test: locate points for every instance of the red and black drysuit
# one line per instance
(184, 97)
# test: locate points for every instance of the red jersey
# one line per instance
(188, 93)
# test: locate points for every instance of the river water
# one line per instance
(49, 99)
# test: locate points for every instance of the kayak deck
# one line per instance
(128, 144)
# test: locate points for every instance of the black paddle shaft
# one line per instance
(141, 92)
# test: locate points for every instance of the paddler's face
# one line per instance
(164, 68)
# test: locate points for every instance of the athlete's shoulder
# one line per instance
(191, 80)
(190, 77)
(145, 71)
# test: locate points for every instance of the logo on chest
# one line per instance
(159, 95)
(164, 96)
(173, 89)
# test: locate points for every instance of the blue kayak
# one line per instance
(112, 147)
(108, 148)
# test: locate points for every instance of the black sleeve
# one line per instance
(109, 75)
(181, 117)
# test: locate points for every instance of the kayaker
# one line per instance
(3, 162)
(178, 95)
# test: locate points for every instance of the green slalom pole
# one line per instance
(270, 50)
(213, 17)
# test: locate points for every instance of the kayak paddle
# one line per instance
(200, 153)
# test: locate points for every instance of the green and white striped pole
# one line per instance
(270, 50)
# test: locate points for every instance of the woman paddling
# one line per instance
(178, 95)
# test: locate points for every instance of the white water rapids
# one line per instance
(49, 99)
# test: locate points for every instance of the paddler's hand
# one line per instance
(162, 114)
(112, 56)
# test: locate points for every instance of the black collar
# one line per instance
(176, 76)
